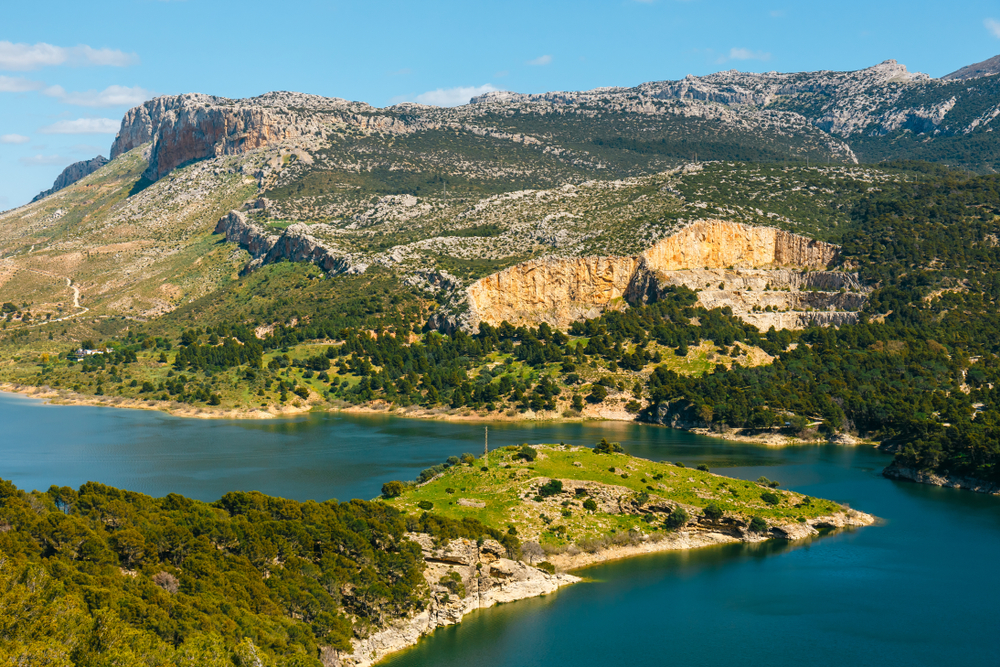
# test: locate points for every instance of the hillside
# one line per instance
(538, 256)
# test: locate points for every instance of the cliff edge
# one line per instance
(768, 276)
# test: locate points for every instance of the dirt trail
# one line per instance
(76, 296)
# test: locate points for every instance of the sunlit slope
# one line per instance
(130, 253)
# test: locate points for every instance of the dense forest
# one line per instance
(102, 576)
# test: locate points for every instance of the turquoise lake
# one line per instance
(919, 588)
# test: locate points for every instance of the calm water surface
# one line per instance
(919, 589)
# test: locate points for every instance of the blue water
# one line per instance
(920, 588)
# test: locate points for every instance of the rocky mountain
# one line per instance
(988, 67)
(443, 199)
(72, 174)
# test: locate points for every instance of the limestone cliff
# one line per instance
(769, 277)
(72, 174)
(295, 244)
(189, 127)
(194, 132)
(557, 291)
(715, 244)
(140, 123)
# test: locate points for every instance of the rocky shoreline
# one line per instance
(464, 576)
(893, 471)
(66, 397)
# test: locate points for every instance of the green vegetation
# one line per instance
(102, 576)
(576, 496)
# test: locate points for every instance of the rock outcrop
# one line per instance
(294, 244)
(72, 174)
(195, 132)
(185, 128)
(894, 471)
(139, 125)
(485, 577)
(769, 277)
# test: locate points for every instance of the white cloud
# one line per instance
(744, 54)
(42, 160)
(14, 139)
(993, 26)
(451, 97)
(112, 96)
(83, 126)
(16, 84)
(24, 57)
(540, 60)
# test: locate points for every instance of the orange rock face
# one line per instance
(715, 244)
(560, 291)
(552, 290)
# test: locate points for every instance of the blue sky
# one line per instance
(69, 70)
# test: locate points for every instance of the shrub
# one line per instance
(597, 394)
(703, 468)
(547, 566)
(453, 582)
(301, 392)
(550, 488)
(580, 491)
(605, 447)
(425, 505)
(428, 473)
(633, 406)
(392, 489)
(758, 525)
(589, 504)
(770, 498)
(713, 512)
(676, 519)
(449, 490)
(527, 453)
